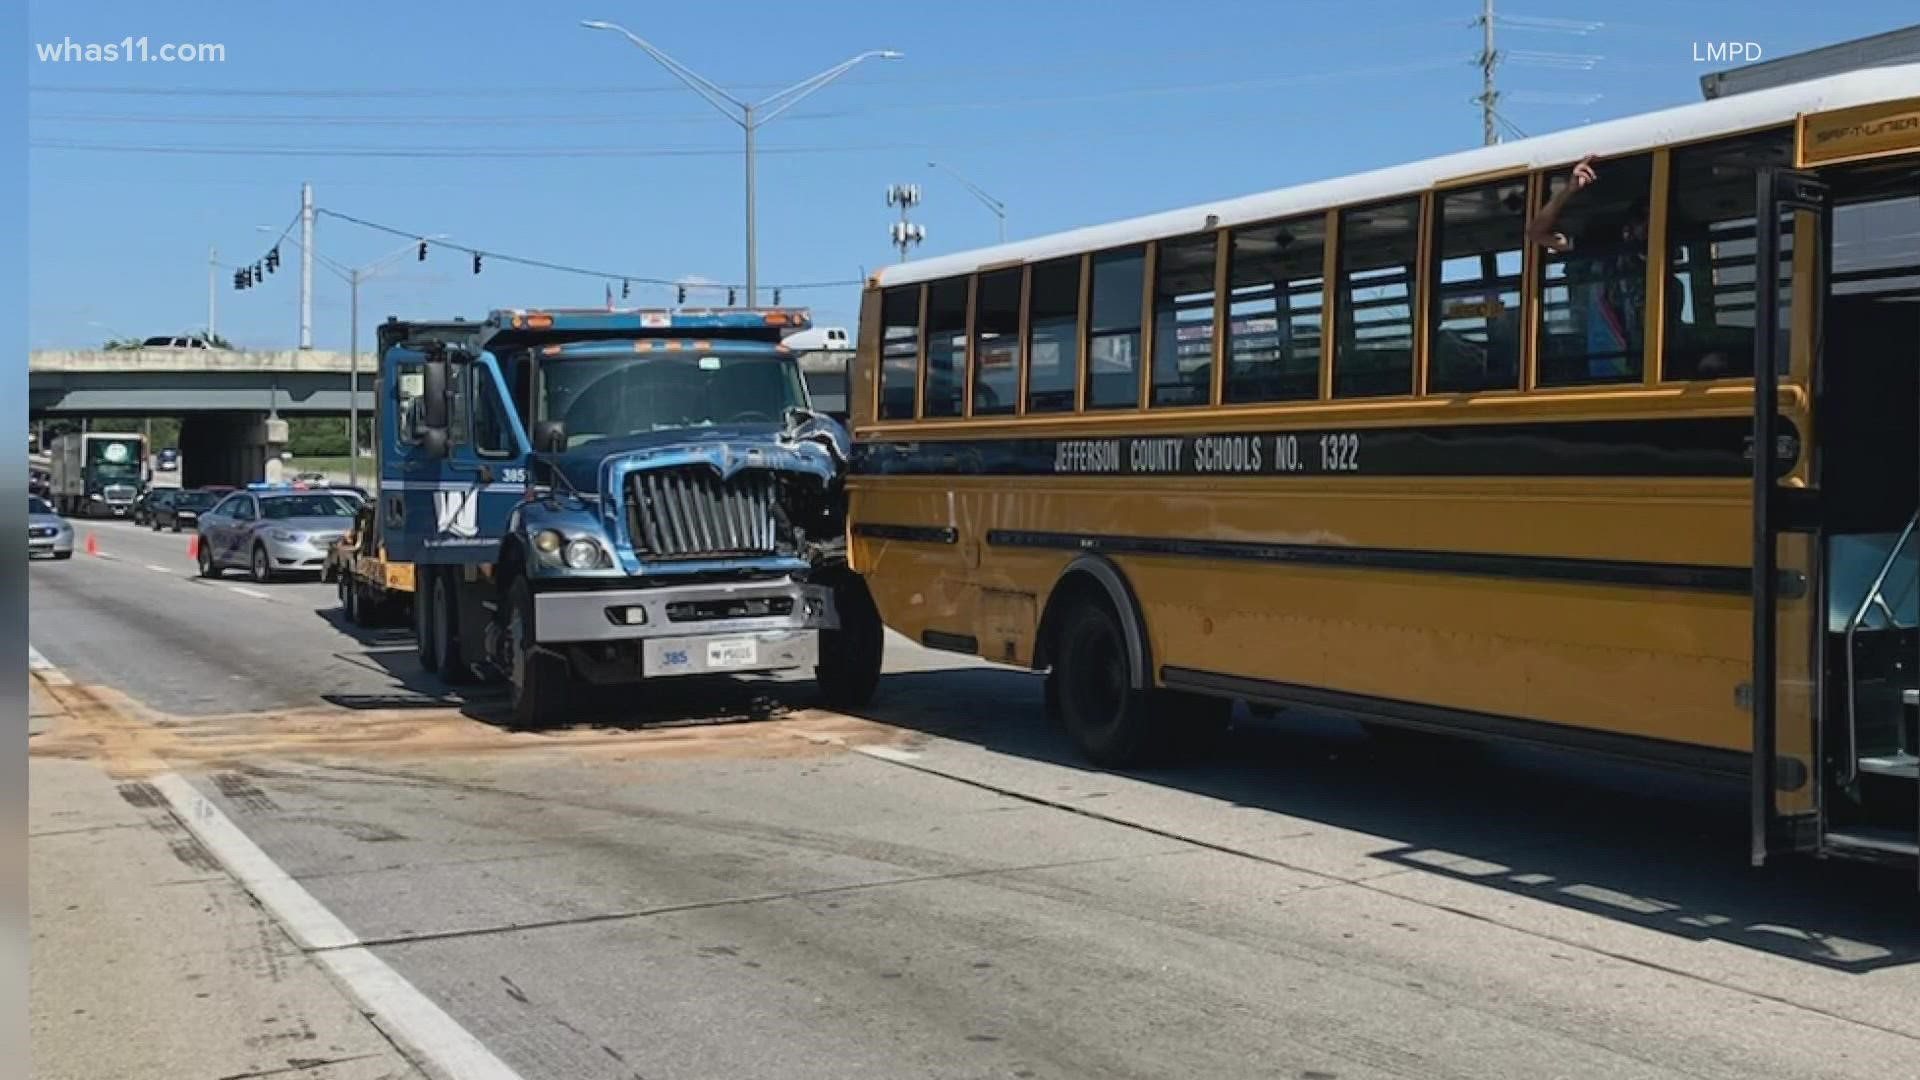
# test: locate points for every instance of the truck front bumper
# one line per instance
(681, 611)
(694, 629)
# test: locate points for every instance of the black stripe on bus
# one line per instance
(1635, 748)
(918, 534)
(1732, 580)
(1688, 446)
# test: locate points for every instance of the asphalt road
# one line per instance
(940, 889)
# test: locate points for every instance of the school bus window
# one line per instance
(1379, 247)
(1113, 336)
(899, 351)
(1276, 291)
(1593, 294)
(946, 346)
(1183, 321)
(1479, 235)
(1053, 336)
(996, 336)
(1711, 257)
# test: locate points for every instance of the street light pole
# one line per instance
(753, 268)
(353, 378)
(213, 268)
(750, 117)
(999, 208)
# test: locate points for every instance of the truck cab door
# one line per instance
(447, 491)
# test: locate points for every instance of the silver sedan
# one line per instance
(273, 532)
(47, 532)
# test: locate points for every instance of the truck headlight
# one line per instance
(548, 541)
(97, 497)
(583, 554)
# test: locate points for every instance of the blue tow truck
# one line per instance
(605, 497)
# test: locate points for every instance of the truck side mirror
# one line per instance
(433, 408)
(433, 394)
(549, 436)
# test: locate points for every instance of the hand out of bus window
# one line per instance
(1544, 228)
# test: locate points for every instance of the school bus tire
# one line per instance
(1089, 690)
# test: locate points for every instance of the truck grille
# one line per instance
(118, 493)
(690, 512)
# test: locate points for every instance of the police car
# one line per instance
(271, 530)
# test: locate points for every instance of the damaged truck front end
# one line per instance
(680, 512)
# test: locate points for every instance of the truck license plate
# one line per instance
(732, 653)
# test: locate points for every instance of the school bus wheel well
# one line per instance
(1095, 579)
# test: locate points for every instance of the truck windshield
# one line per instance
(606, 397)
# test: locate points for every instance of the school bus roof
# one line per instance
(1698, 120)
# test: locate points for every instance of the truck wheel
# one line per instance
(1089, 693)
(849, 667)
(444, 614)
(537, 679)
(422, 621)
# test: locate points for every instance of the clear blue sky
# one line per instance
(1069, 112)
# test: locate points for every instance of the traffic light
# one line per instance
(730, 297)
(238, 282)
(273, 259)
(423, 252)
(258, 275)
(626, 288)
(776, 298)
(476, 262)
(683, 296)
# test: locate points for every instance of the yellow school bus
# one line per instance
(1375, 445)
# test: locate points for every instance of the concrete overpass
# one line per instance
(232, 404)
(181, 382)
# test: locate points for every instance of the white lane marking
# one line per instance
(43, 667)
(393, 1003)
(244, 591)
(159, 569)
(890, 753)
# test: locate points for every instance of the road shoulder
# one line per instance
(150, 960)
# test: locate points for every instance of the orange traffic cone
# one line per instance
(93, 545)
(193, 546)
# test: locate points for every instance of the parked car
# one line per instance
(273, 530)
(184, 342)
(184, 509)
(47, 532)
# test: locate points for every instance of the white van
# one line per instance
(819, 337)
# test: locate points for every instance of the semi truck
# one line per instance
(604, 497)
(97, 473)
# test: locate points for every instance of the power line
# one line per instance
(563, 268)
(562, 119)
